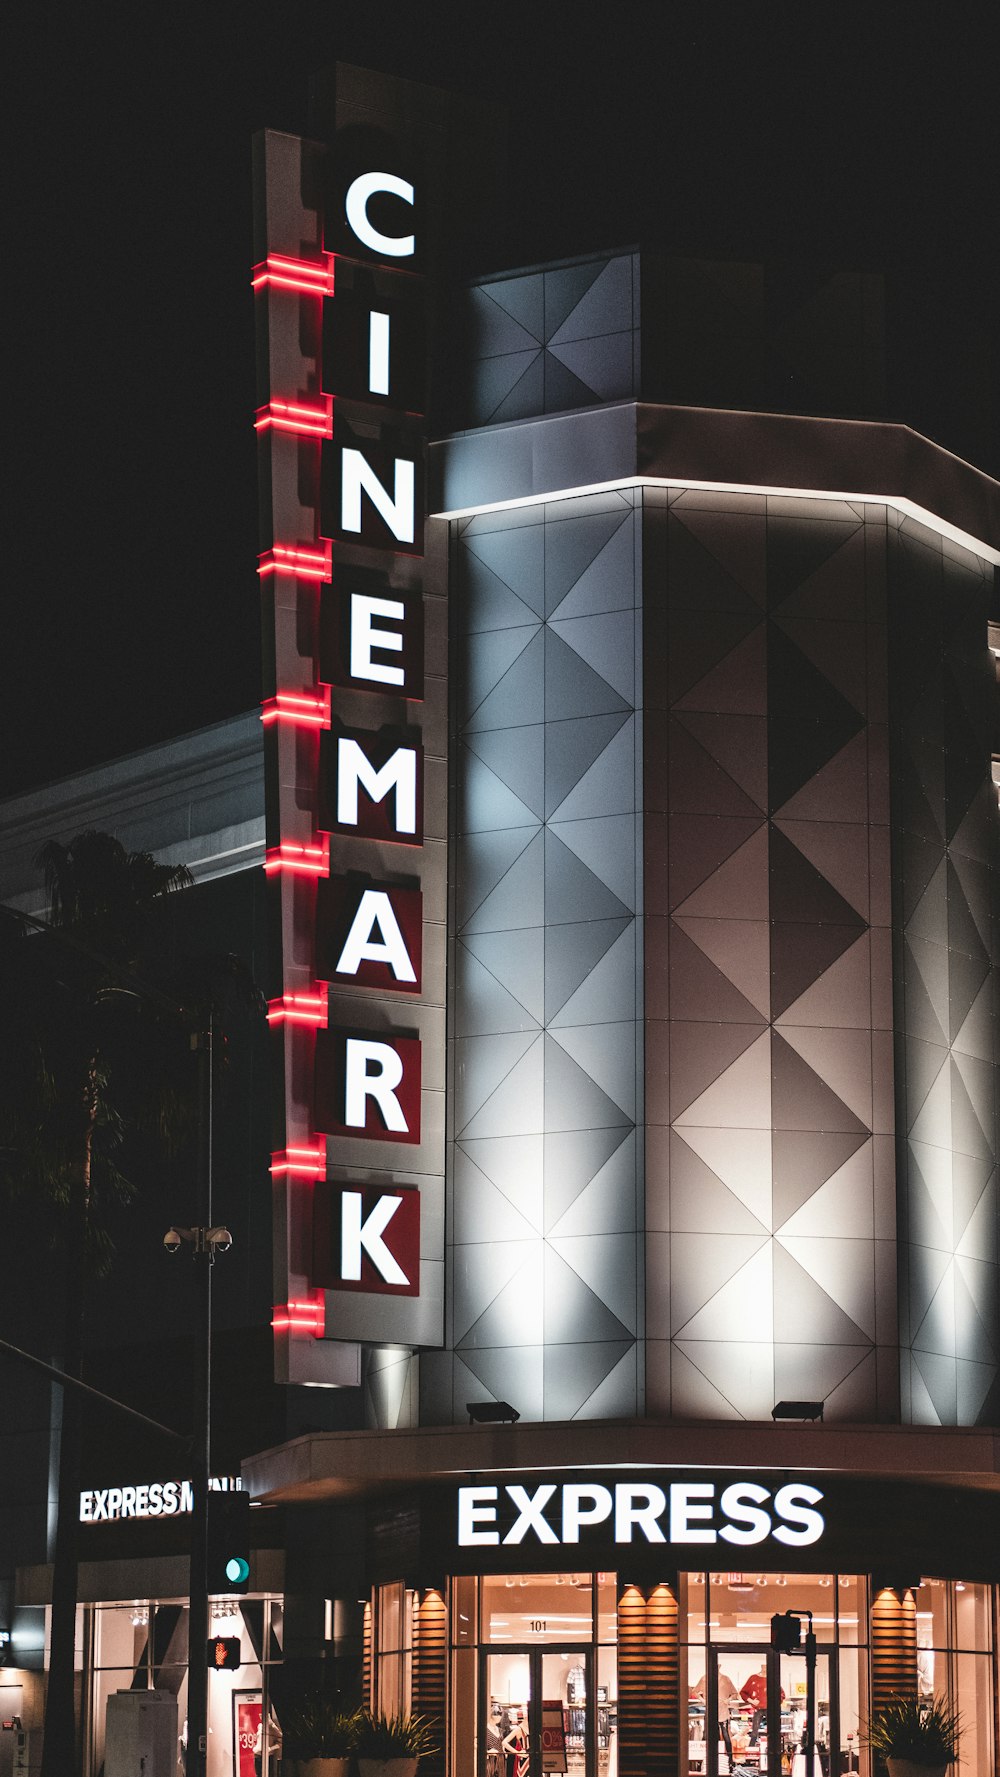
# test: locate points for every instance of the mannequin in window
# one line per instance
(494, 1739)
(515, 1746)
(727, 1692)
(755, 1689)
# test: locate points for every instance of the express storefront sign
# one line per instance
(639, 1513)
(148, 1499)
(699, 1519)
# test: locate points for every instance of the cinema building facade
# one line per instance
(631, 844)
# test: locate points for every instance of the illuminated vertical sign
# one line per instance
(354, 710)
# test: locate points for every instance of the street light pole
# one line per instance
(201, 1452)
(205, 1242)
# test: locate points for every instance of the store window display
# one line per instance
(534, 1675)
(142, 1645)
(746, 1702)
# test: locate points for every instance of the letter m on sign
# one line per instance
(366, 1238)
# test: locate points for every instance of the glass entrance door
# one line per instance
(539, 1713)
(789, 1728)
(747, 1715)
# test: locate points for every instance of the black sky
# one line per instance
(860, 136)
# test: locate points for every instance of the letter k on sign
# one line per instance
(367, 1238)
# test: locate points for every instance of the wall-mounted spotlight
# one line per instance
(491, 1413)
(797, 1410)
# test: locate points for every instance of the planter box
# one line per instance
(322, 1767)
(907, 1767)
(387, 1767)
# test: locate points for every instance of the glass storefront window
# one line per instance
(852, 1609)
(932, 1614)
(120, 1634)
(607, 1608)
(694, 1596)
(853, 1708)
(974, 1703)
(741, 1605)
(972, 1617)
(395, 1606)
(151, 1636)
(529, 1608)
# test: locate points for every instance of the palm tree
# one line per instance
(92, 1052)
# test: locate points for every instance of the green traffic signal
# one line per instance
(237, 1570)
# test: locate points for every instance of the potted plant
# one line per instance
(392, 1745)
(915, 1738)
(317, 1735)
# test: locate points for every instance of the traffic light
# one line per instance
(228, 1543)
(224, 1653)
(786, 1632)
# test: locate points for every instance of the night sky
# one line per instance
(859, 136)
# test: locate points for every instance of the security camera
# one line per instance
(172, 1240)
(220, 1239)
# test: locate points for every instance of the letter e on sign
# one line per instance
(366, 1238)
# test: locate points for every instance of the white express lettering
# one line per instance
(365, 637)
(476, 1505)
(583, 1505)
(398, 774)
(793, 1504)
(378, 353)
(360, 1085)
(639, 1505)
(751, 1524)
(690, 1501)
(359, 194)
(397, 510)
(152, 1499)
(375, 914)
(530, 1507)
(359, 1235)
(740, 1515)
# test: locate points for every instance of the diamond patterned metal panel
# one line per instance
(539, 342)
(770, 718)
(547, 1005)
(764, 1114)
(945, 842)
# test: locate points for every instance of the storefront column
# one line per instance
(430, 1667)
(648, 1679)
(894, 1643)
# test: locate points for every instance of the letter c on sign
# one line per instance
(388, 246)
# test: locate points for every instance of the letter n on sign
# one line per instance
(366, 1238)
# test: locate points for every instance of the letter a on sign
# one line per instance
(366, 1238)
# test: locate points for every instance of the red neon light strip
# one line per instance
(298, 1008)
(298, 708)
(300, 1162)
(305, 860)
(300, 1317)
(303, 275)
(308, 562)
(306, 420)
